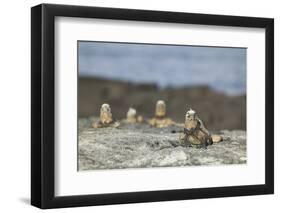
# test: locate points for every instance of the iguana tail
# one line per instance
(216, 138)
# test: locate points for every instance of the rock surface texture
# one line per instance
(141, 146)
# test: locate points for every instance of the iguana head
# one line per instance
(190, 114)
(160, 110)
(131, 115)
(105, 114)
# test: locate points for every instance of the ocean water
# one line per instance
(221, 68)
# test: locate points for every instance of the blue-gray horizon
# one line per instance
(220, 68)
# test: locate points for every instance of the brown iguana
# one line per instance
(105, 119)
(195, 132)
(160, 120)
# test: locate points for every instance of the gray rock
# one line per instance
(140, 146)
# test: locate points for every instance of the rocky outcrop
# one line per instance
(217, 110)
(141, 146)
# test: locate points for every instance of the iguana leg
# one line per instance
(184, 140)
(97, 125)
(116, 124)
(204, 145)
(209, 141)
(187, 143)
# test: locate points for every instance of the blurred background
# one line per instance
(210, 80)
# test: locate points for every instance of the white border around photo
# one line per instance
(68, 181)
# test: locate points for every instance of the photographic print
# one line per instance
(160, 105)
(134, 95)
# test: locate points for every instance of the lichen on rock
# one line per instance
(139, 145)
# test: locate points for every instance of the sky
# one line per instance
(221, 68)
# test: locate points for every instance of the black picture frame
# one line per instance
(43, 102)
